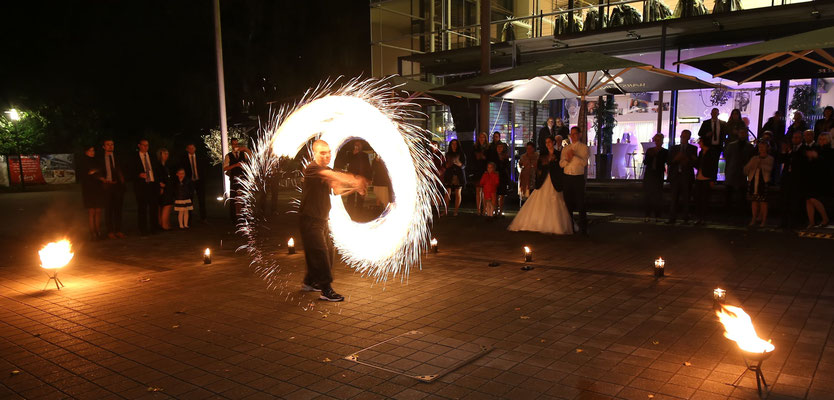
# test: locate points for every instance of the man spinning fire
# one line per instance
(319, 180)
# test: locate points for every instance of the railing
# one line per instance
(588, 18)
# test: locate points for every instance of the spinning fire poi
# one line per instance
(371, 110)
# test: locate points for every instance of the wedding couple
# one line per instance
(559, 192)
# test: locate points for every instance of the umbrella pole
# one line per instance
(582, 120)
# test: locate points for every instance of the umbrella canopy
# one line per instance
(578, 75)
(411, 85)
(806, 55)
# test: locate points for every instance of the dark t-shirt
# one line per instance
(315, 197)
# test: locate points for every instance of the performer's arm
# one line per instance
(342, 183)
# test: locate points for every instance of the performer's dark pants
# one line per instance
(234, 192)
(703, 189)
(114, 197)
(681, 189)
(653, 194)
(575, 199)
(147, 203)
(318, 251)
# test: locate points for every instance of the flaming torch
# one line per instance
(659, 267)
(55, 256)
(738, 327)
(291, 246)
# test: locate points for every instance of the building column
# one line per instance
(483, 120)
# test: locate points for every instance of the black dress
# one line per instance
(91, 186)
(454, 176)
(479, 165)
(164, 176)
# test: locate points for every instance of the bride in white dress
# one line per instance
(545, 211)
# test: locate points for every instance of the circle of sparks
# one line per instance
(371, 110)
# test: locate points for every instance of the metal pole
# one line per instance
(221, 91)
(662, 66)
(483, 123)
(761, 109)
(20, 164)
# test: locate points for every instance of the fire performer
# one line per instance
(319, 179)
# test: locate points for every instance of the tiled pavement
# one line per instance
(144, 318)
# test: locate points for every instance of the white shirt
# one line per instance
(147, 166)
(109, 162)
(576, 166)
(192, 161)
(716, 131)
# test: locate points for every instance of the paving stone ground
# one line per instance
(145, 318)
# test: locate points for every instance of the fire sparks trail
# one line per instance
(359, 109)
(738, 327)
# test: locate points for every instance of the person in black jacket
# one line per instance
(113, 187)
(360, 165)
(791, 158)
(715, 130)
(547, 131)
(826, 123)
(776, 125)
(146, 189)
(682, 159)
(705, 180)
(655, 169)
(196, 167)
(91, 187)
(165, 177)
(233, 167)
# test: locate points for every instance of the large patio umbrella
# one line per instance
(579, 74)
(806, 55)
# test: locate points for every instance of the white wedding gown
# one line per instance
(545, 211)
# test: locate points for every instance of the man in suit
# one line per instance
(792, 157)
(195, 170)
(654, 172)
(359, 165)
(714, 129)
(233, 167)
(682, 158)
(113, 190)
(736, 155)
(547, 131)
(146, 189)
(705, 180)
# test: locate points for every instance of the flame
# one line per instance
(56, 254)
(291, 242)
(659, 262)
(434, 242)
(739, 327)
(526, 250)
(207, 252)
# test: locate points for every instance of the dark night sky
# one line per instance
(140, 67)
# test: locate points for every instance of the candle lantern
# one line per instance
(659, 267)
(528, 254)
(207, 256)
(434, 245)
(291, 246)
(55, 256)
(719, 295)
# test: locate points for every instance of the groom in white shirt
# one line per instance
(574, 160)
